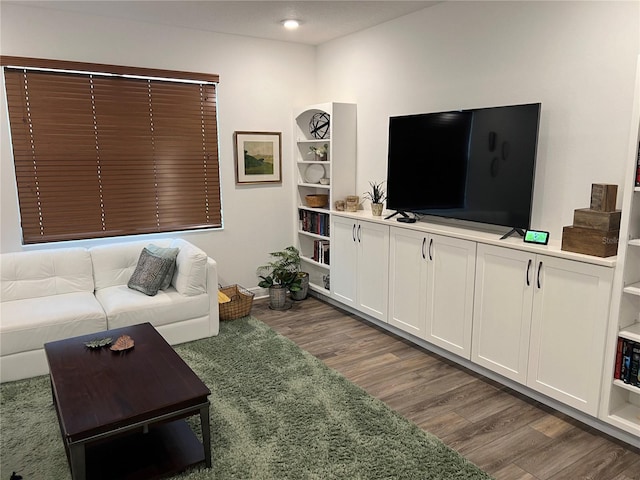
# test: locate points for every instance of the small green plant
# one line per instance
(320, 151)
(282, 270)
(376, 194)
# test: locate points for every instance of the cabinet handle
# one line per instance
(353, 232)
(424, 243)
(431, 249)
(528, 269)
(359, 236)
(539, 269)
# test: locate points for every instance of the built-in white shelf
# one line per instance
(631, 333)
(633, 289)
(314, 141)
(315, 185)
(339, 170)
(627, 415)
(313, 235)
(620, 404)
(626, 386)
(319, 288)
(313, 262)
(313, 209)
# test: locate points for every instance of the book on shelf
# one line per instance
(627, 367)
(635, 365)
(314, 222)
(638, 168)
(321, 251)
(625, 373)
(618, 366)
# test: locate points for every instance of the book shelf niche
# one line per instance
(624, 397)
(621, 386)
(331, 175)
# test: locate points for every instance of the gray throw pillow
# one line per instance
(149, 273)
(169, 253)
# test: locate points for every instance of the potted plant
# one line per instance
(377, 195)
(319, 152)
(280, 275)
(301, 294)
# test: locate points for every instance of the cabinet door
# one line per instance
(373, 269)
(570, 313)
(408, 280)
(502, 310)
(450, 280)
(343, 260)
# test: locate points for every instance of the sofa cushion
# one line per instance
(113, 264)
(125, 307)
(29, 323)
(41, 273)
(190, 277)
(171, 254)
(149, 273)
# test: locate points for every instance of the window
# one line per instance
(101, 151)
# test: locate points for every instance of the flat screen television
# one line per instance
(475, 165)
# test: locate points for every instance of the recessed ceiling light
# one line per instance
(291, 24)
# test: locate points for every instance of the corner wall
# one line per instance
(577, 58)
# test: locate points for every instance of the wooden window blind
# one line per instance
(101, 155)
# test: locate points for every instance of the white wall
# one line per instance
(260, 83)
(577, 58)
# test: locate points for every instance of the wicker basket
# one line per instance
(317, 201)
(240, 304)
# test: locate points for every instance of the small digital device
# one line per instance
(536, 236)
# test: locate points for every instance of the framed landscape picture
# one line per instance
(258, 157)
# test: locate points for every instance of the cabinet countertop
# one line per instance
(478, 235)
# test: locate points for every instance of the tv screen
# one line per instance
(475, 165)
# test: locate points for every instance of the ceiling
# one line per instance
(321, 21)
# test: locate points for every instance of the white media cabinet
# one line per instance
(534, 318)
(540, 320)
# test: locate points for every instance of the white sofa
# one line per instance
(48, 295)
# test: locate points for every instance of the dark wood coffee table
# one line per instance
(122, 414)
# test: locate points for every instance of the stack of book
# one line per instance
(314, 222)
(628, 362)
(321, 251)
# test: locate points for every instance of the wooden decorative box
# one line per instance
(603, 197)
(589, 241)
(595, 219)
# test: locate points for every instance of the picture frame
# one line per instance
(258, 157)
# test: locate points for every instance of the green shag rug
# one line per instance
(276, 413)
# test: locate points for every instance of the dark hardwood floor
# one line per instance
(506, 434)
